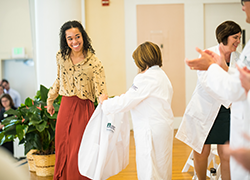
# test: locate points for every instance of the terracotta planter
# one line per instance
(31, 161)
(45, 164)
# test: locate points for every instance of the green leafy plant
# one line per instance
(32, 124)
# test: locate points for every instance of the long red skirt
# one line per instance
(73, 116)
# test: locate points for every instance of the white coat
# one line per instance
(104, 149)
(228, 86)
(202, 110)
(149, 100)
(248, 97)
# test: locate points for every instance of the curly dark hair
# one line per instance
(226, 29)
(65, 49)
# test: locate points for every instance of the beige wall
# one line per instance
(168, 33)
(105, 26)
(14, 28)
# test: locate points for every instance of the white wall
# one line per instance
(25, 82)
(48, 20)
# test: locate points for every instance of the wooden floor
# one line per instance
(180, 154)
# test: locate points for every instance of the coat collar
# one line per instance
(154, 67)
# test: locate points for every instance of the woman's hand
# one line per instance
(221, 60)
(207, 58)
(102, 98)
(201, 63)
(51, 109)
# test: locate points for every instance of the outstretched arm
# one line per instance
(218, 81)
(201, 63)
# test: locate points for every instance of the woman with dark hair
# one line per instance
(207, 118)
(6, 103)
(149, 101)
(80, 79)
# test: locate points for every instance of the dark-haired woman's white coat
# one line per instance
(201, 111)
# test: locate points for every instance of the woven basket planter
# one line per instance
(31, 161)
(45, 164)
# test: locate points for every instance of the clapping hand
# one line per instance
(206, 59)
(201, 63)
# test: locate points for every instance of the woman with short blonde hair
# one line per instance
(149, 100)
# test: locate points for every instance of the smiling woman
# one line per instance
(80, 78)
(206, 113)
(228, 34)
(75, 42)
(73, 38)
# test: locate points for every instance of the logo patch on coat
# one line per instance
(134, 87)
(246, 62)
(110, 127)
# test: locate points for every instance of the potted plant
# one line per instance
(33, 126)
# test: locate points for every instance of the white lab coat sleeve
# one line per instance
(202, 78)
(139, 91)
(248, 97)
(231, 70)
(226, 86)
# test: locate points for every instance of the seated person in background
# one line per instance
(1, 90)
(13, 93)
(6, 103)
(1, 93)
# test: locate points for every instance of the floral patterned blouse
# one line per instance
(85, 79)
